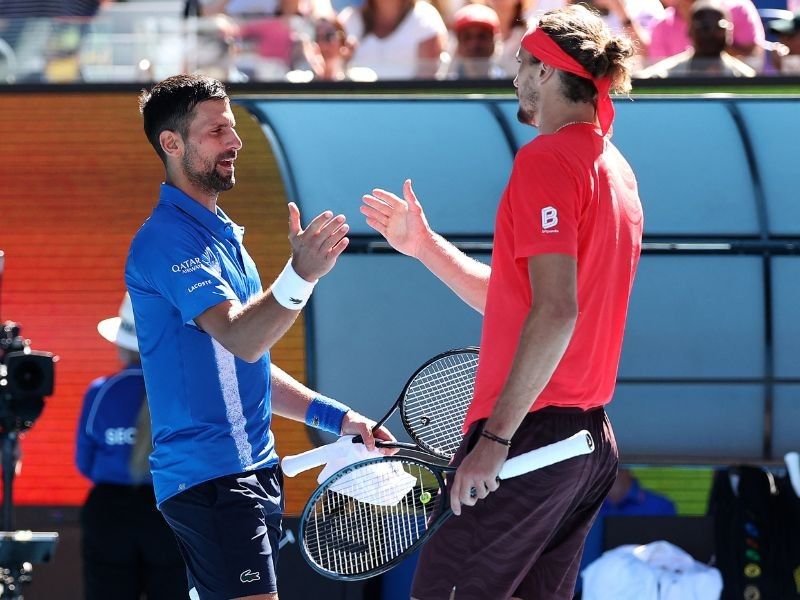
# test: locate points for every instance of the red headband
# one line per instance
(542, 46)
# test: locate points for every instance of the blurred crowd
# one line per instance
(368, 40)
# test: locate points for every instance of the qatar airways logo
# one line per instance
(187, 266)
(207, 259)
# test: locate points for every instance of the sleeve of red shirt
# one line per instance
(544, 198)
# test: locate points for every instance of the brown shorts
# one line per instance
(526, 539)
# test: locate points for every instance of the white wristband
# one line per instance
(290, 290)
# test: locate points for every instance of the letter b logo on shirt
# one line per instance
(549, 217)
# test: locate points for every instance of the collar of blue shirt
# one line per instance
(219, 224)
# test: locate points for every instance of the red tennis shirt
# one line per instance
(573, 193)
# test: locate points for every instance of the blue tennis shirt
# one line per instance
(210, 410)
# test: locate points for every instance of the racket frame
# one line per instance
(438, 471)
(418, 443)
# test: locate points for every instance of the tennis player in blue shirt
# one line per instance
(205, 328)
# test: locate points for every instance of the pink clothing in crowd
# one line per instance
(670, 36)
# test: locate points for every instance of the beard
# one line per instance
(206, 176)
(525, 117)
(527, 114)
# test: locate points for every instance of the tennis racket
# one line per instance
(368, 517)
(433, 405)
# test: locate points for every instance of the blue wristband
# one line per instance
(326, 414)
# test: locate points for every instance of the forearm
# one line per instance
(467, 277)
(293, 400)
(255, 327)
(251, 330)
(290, 398)
(544, 339)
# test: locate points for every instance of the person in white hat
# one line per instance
(128, 549)
(121, 330)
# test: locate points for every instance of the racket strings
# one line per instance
(359, 538)
(358, 528)
(441, 412)
(436, 401)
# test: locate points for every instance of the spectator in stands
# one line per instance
(128, 549)
(273, 32)
(216, 51)
(55, 44)
(710, 30)
(266, 8)
(513, 25)
(670, 36)
(787, 60)
(634, 18)
(329, 54)
(476, 29)
(627, 498)
(398, 39)
(238, 8)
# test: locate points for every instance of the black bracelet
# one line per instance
(496, 438)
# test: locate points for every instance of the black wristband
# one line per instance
(496, 438)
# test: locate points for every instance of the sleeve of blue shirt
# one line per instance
(85, 446)
(181, 267)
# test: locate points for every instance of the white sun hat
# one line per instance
(121, 330)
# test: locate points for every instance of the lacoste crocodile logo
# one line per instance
(248, 576)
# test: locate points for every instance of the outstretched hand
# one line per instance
(400, 220)
(316, 248)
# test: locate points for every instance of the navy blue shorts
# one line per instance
(228, 531)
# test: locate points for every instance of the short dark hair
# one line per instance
(169, 104)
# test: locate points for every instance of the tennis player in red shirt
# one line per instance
(567, 242)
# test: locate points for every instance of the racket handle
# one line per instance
(383, 444)
(292, 465)
(576, 445)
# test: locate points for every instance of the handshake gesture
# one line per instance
(400, 220)
(316, 248)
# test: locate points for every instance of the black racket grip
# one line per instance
(384, 444)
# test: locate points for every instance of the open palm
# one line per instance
(400, 220)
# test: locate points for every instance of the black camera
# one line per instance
(26, 379)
